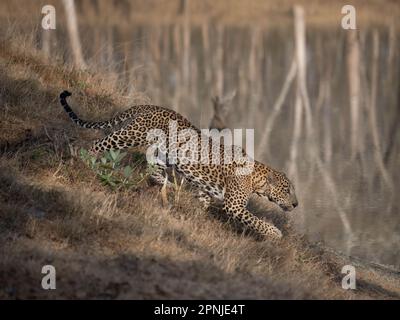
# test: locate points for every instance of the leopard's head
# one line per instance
(276, 187)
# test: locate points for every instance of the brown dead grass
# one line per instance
(122, 245)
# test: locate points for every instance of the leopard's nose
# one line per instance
(295, 204)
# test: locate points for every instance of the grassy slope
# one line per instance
(127, 245)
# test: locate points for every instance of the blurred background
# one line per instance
(324, 101)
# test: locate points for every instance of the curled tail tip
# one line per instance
(65, 94)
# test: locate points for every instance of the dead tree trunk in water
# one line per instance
(327, 122)
(72, 26)
(177, 92)
(391, 77)
(206, 52)
(300, 58)
(254, 83)
(302, 102)
(186, 45)
(372, 111)
(219, 61)
(353, 73)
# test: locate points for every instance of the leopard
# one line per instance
(232, 182)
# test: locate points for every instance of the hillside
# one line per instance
(127, 244)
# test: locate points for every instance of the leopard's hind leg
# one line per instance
(124, 139)
(119, 139)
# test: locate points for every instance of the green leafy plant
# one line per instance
(111, 172)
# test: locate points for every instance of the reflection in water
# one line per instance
(346, 167)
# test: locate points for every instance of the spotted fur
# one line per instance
(218, 181)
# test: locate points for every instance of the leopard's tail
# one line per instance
(87, 124)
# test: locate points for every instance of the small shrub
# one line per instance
(111, 172)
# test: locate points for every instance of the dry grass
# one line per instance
(126, 244)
